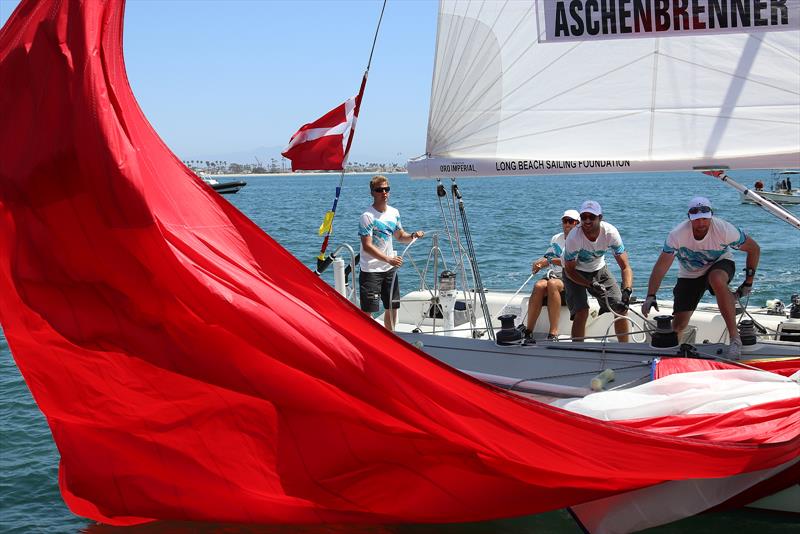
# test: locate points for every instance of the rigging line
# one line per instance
(479, 288)
(459, 261)
(375, 39)
(329, 231)
(642, 379)
(444, 218)
(731, 75)
(447, 92)
(577, 373)
(556, 354)
(394, 276)
(508, 67)
(552, 97)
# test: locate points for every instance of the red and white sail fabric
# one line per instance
(734, 405)
(190, 368)
(323, 145)
(667, 366)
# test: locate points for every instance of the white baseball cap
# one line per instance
(572, 214)
(591, 206)
(697, 204)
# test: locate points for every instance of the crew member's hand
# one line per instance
(598, 290)
(537, 266)
(649, 302)
(419, 234)
(744, 290)
(626, 295)
(395, 261)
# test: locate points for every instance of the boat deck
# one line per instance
(561, 369)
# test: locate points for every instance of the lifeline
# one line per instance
(593, 17)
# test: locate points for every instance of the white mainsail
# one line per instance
(506, 99)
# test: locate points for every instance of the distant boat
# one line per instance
(781, 193)
(224, 188)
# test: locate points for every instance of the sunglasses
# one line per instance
(381, 189)
(699, 209)
(567, 220)
(588, 216)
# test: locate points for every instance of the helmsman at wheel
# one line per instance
(703, 246)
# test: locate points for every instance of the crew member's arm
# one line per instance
(369, 248)
(663, 263)
(753, 254)
(538, 265)
(570, 267)
(625, 267)
(404, 237)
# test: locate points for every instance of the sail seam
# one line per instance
(447, 125)
(537, 104)
(730, 74)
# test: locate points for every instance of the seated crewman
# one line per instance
(552, 284)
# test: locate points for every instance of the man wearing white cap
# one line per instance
(585, 267)
(702, 245)
(552, 284)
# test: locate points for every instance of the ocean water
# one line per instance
(511, 221)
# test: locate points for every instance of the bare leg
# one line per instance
(718, 280)
(554, 287)
(579, 324)
(680, 321)
(389, 317)
(535, 304)
(622, 328)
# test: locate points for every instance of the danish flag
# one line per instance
(323, 145)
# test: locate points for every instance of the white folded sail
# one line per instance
(508, 97)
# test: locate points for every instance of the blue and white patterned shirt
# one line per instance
(555, 250)
(590, 255)
(380, 226)
(696, 257)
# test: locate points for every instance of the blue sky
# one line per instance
(221, 79)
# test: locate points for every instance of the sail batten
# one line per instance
(506, 97)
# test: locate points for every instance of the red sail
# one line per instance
(191, 368)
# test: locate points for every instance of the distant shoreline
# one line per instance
(283, 174)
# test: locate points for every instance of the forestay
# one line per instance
(563, 87)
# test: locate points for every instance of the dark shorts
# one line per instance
(689, 291)
(375, 288)
(576, 294)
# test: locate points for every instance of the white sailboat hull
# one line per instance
(414, 314)
(774, 196)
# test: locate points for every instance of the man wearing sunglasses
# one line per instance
(552, 285)
(378, 281)
(586, 270)
(703, 246)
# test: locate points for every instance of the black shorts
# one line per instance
(689, 291)
(375, 288)
(559, 276)
(576, 294)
